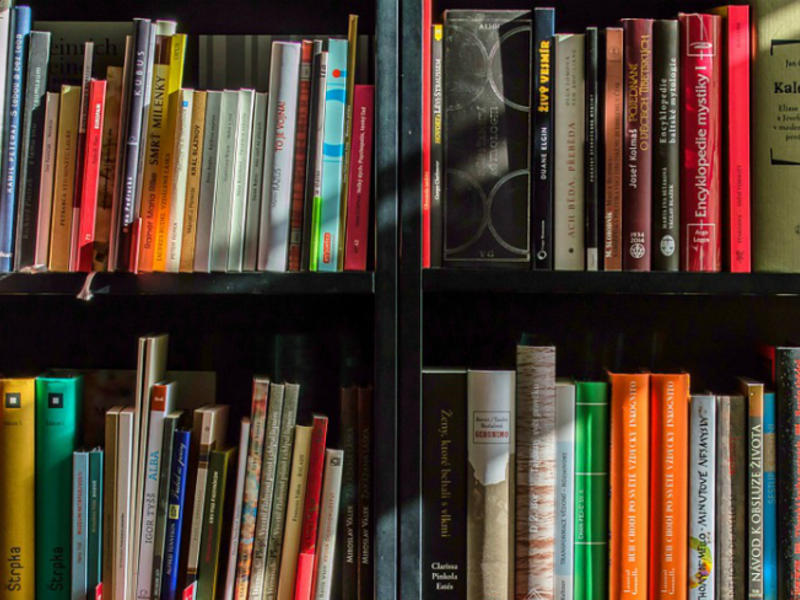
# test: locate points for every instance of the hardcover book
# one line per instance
(316, 137)
(591, 171)
(565, 489)
(179, 174)
(49, 138)
(364, 503)
(240, 180)
(252, 217)
(122, 553)
(753, 391)
(770, 500)
(348, 435)
(437, 145)
(359, 189)
(702, 497)
(165, 470)
(193, 178)
(613, 125)
(64, 184)
(223, 187)
(175, 516)
(79, 569)
(328, 519)
(208, 183)
(95, 522)
(111, 431)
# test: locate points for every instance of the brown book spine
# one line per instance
(612, 141)
(193, 182)
(638, 151)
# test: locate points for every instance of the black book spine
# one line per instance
(364, 503)
(316, 120)
(591, 185)
(542, 137)
(666, 151)
(31, 149)
(437, 149)
(444, 525)
(787, 404)
(348, 547)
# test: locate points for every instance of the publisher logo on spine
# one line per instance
(55, 400)
(491, 427)
(13, 400)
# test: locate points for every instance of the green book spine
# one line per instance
(95, 553)
(591, 491)
(58, 404)
(208, 569)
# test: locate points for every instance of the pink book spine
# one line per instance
(357, 227)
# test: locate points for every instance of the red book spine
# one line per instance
(427, 23)
(701, 248)
(304, 579)
(358, 190)
(91, 174)
(300, 148)
(637, 174)
(737, 34)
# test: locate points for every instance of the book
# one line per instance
(300, 151)
(753, 391)
(702, 497)
(613, 126)
(94, 552)
(58, 404)
(7, 39)
(223, 190)
(15, 83)
(111, 431)
(18, 485)
(306, 556)
(669, 485)
(123, 510)
(425, 130)
(276, 198)
(179, 175)
(316, 137)
(45, 204)
(701, 85)
(565, 488)
(352, 56)
(542, 138)
(569, 152)
(770, 495)
(628, 505)
(731, 496)
(359, 188)
(348, 436)
(254, 187)
(196, 139)
(490, 443)
(31, 136)
(79, 569)
(328, 519)
(364, 487)
(443, 491)
(175, 514)
(165, 470)
(233, 543)
(240, 180)
(591, 490)
(637, 155)
(591, 171)
(436, 146)
(535, 435)
(208, 182)
(666, 149)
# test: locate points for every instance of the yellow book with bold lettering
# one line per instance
(17, 487)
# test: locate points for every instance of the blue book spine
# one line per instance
(16, 79)
(177, 501)
(95, 525)
(332, 157)
(80, 515)
(770, 502)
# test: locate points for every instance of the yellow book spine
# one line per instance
(17, 487)
(193, 182)
(352, 54)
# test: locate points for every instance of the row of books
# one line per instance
(618, 148)
(630, 487)
(124, 168)
(165, 506)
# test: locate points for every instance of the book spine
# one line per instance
(666, 150)
(164, 471)
(80, 514)
(490, 410)
(240, 180)
(444, 421)
(110, 497)
(91, 174)
(208, 181)
(175, 514)
(196, 137)
(637, 153)
(178, 178)
(304, 580)
(701, 122)
(254, 190)
(50, 136)
(565, 491)
(6, 60)
(352, 56)
(669, 485)
(591, 173)
(328, 518)
(629, 466)
(17, 57)
(276, 203)
(95, 521)
(208, 566)
(223, 195)
(542, 138)
(731, 449)
(426, 88)
(770, 498)
(613, 126)
(437, 146)
(755, 489)
(359, 188)
(300, 151)
(535, 471)
(591, 490)
(17, 487)
(123, 521)
(316, 137)
(348, 436)
(569, 148)
(66, 151)
(364, 466)
(236, 523)
(31, 148)
(702, 488)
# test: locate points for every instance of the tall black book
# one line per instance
(437, 149)
(666, 149)
(364, 502)
(591, 172)
(444, 511)
(348, 508)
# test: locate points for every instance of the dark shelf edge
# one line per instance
(631, 283)
(176, 284)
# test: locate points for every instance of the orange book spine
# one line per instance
(669, 485)
(628, 515)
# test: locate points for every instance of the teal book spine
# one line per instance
(95, 524)
(80, 515)
(770, 501)
(58, 405)
(328, 225)
(591, 491)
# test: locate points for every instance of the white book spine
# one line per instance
(46, 178)
(702, 486)
(328, 520)
(565, 489)
(123, 525)
(5, 34)
(276, 204)
(80, 518)
(233, 546)
(240, 180)
(208, 181)
(253, 212)
(569, 127)
(179, 175)
(221, 227)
